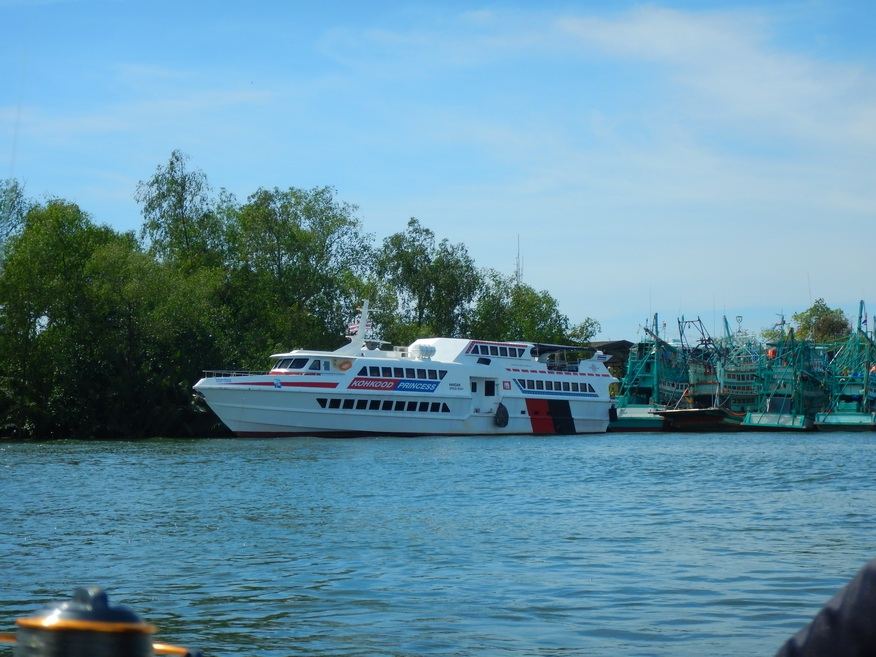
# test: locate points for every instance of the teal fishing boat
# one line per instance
(655, 377)
(852, 401)
(792, 385)
(721, 380)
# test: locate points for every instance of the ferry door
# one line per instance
(484, 398)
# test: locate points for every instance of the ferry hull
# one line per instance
(269, 412)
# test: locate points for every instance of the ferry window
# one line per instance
(421, 373)
(281, 365)
(503, 351)
(409, 372)
(361, 404)
(374, 371)
(445, 408)
(548, 385)
(412, 406)
(334, 403)
(348, 404)
(530, 384)
(325, 365)
(424, 407)
(574, 386)
(474, 386)
(490, 388)
(363, 371)
(297, 363)
(374, 405)
(590, 388)
(433, 375)
(494, 351)
(387, 405)
(321, 401)
(566, 387)
(314, 365)
(399, 406)
(477, 349)
(386, 371)
(435, 407)
(398, 372)
(539, 385)
(442, 374)
(483, 361)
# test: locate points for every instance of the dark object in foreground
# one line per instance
(86, 626)
(845, 626)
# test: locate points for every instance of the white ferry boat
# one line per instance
(436, 386)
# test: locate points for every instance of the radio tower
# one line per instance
(518, 268)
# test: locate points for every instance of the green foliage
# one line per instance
(180, 222)
(423, 288)
(821, 323)
(584, 331)
(103, 339)
(297, 258)
(509, 310)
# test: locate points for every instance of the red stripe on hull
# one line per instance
(539, 416)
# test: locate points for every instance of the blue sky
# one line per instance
(682, 158)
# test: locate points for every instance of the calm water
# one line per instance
(606, 545)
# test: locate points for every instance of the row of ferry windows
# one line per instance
(300, 363)
(383, 405)
(556, 386)
(493, 350)
(404, 372)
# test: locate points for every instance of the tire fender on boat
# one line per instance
(501, 417)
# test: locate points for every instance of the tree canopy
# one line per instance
(103, 333)
(821, 323)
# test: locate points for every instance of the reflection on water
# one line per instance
(606, 545)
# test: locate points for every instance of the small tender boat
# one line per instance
(435, 386)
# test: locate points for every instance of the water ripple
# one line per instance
(605, 545)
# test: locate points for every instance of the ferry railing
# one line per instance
(214, 374)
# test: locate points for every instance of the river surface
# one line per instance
(617, 544)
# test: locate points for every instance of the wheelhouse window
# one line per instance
(314, 366)
(503, 351)
(291, 364)
(373, 371)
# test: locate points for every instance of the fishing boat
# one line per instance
(656, 376)
(723, 384)
(852, 397)
(435, 386)
(792, 387)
